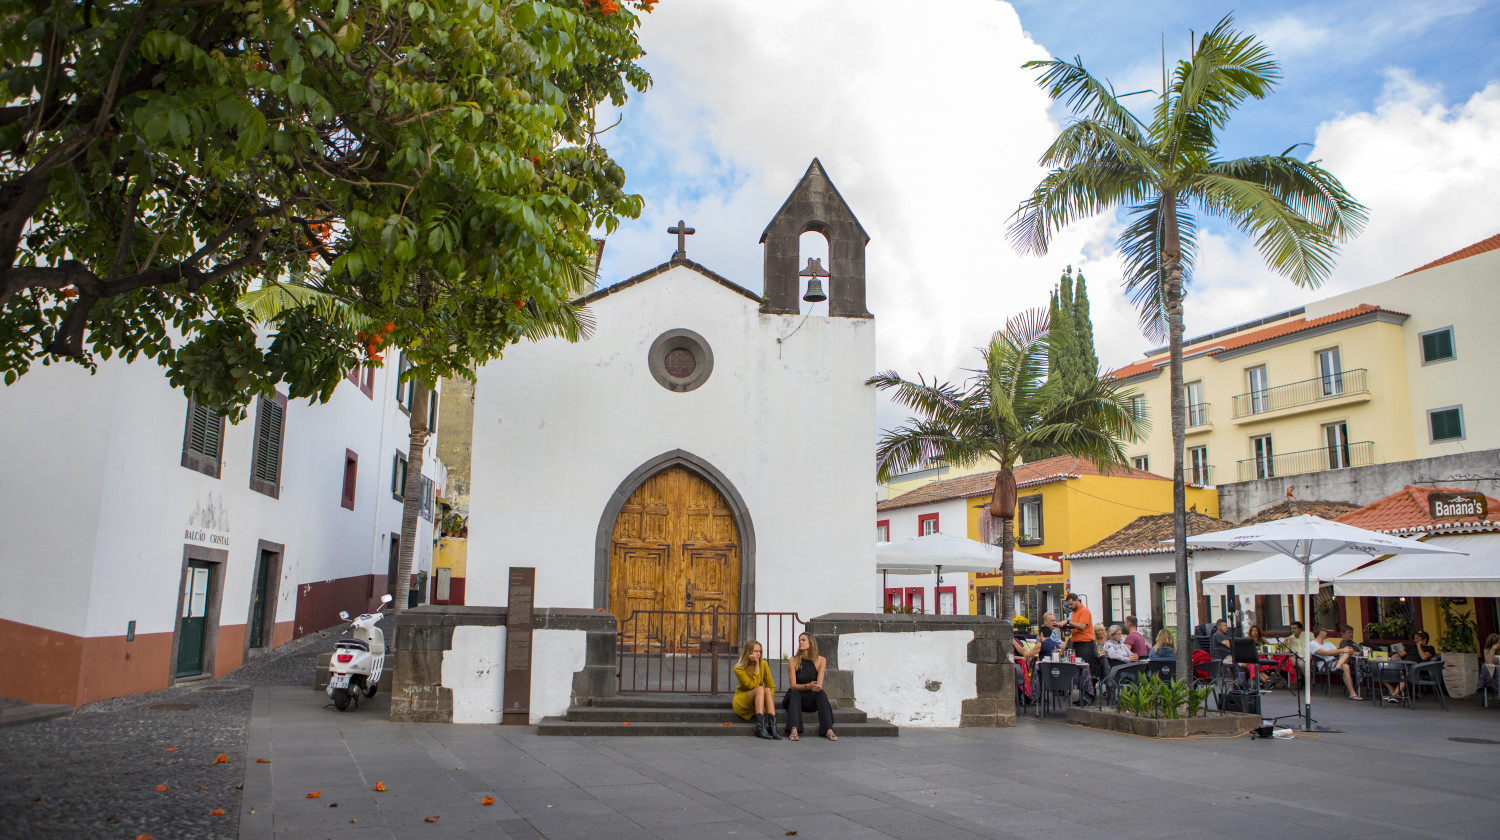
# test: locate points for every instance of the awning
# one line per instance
(957, 555)
(1446, 576)
(1279, 574)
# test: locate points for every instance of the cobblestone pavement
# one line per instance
(95, 774)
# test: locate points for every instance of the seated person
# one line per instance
(1166, 647)
(1218, 642)
(1424, 653)
(1347, 641)
(805, 690)
(1489, 664)
(1133, 638)
(1116, 652)
(755, 692)
(1296, 641)
(1259, 639)
(1333, 658)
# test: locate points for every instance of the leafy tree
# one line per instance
(1163, 172)
(1008, 412)
(1083, 329)
(432, 164)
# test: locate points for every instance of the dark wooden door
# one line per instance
(258, 599)
(675, 547)
(194, 620)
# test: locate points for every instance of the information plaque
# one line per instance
(521, 599)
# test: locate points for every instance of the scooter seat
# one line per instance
(353, 643)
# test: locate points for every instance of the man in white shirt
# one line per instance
(1318, 646)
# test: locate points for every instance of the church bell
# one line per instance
(813, 272)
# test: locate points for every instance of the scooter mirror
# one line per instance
(385, 599)
(344, 614)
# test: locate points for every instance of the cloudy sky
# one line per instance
(931, 130)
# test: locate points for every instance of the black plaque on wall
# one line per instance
(521, 599)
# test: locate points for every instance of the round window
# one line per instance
(680, 360)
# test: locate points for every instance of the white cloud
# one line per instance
(931, 131)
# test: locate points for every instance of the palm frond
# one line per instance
(1141, 245)
(1290, 244)
(275, 298)
(1227, 68)
(1304, 186)
(1071, 82)
(1067, 195)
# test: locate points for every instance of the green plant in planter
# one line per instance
(1197, 705)
(1459, 633)
(1172, 698)
(1393, 627)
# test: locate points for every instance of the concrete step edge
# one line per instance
(687, 715)
(559, 726)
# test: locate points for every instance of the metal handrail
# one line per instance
(1197, 415)
(1307, 391)
(1359, 454)
(687, 651)
(1192, 476)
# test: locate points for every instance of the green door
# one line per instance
(194, 622)
(258, 598)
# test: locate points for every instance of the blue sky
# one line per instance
(931, 131)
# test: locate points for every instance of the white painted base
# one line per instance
(911, 679)
(474, 670)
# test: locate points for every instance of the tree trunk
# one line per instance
(1172, 260)
(412, 495)
(1003, 505)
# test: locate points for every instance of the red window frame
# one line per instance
(915, 603)
(886, 524)
(937, 605)
(923, 519)
(367, 382)
(351, 477)
(893, 598)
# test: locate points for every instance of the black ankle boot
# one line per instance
(771, 727)
(760, 728)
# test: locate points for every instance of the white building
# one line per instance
(154, 542)
(704, 448)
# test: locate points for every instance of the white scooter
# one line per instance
(358, 662)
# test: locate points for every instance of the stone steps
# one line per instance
(638, 715)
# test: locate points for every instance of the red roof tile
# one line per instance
(1034, 474)
(1297, 507)
(1145, 534)
(1406, 512)
(1234, 342)
(1474, 250)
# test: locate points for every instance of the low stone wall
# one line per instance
(449, 664)
(919, 670)
(1226, 725)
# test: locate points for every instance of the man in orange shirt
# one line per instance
(1080, 626)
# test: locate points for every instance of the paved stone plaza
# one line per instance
(1392, 773)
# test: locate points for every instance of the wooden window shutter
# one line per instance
(202, 439)
(270, 426)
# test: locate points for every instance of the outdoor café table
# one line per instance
(1084, 682)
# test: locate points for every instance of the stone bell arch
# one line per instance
(815, 205)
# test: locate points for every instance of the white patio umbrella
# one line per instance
(1475, 576)
(1280, 575)
(960, 555)
(1309, 539)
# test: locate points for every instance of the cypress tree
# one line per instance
(1064, 340)
(1083, 331)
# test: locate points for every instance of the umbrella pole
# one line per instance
(1306, 655)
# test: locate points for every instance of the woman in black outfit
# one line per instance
(805, 690)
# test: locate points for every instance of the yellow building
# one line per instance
(1063, 505)
(1386, 373)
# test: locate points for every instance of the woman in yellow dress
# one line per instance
(756, 692)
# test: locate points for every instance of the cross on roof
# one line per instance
(683, 232)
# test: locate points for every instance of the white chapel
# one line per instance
(706, 447)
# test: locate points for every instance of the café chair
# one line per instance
(1382, 673)
(1427, 675)
(1053, 679)
(1166, 669)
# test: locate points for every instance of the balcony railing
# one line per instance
(1307, 391)
(1202, 474)
(1309, 460)
(1197, 415)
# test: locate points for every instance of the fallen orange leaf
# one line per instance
(160, 788)
(145, 837)
(730, 723)
(380, 785)
(315, 795)
(217, 812)
(488, 800)
(624, 723)
(222, 759)
(171, 749)
(262, 761)
(430, 819)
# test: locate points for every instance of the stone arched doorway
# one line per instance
(675, 537)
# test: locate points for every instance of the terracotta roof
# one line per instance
(1405, 512)
(1298, 507)
(1145, 535)
(1226, 343)
(1474, 250)
(1034, 474)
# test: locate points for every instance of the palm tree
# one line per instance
(1008, 412)
(1163, 172)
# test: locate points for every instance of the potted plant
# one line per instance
(1394, 628)
(1459, 644)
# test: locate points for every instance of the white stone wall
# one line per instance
(911, 679)
(474, 669)
(558, 427)
(94, 537)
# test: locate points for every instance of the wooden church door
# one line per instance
(675, 547)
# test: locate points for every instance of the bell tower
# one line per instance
(815, 205)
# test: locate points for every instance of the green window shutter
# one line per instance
(1446, 425)
(432, 412)
(1437, 346)
(268, 443)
